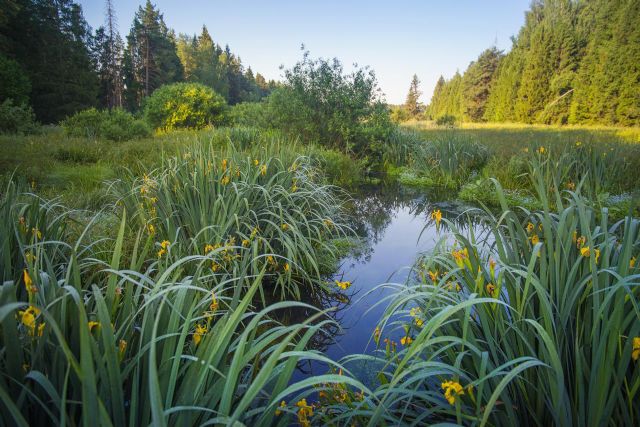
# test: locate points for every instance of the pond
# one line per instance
(395, 225)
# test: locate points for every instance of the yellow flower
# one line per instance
(433, 275)
(535, 239)
(580, 241)
(491, 289)
(263, 170)
(165, 244)
(460, 256)
(541, 150)
(632, 262)
(284, 226)
(208, 248)
(376, 334)
(122, 347)
(256, 162)
(28, 283)
(327, 222)
(279, 410)
(570, 186)
(225, 163)
(406, 340)
(530, 228)
(585, 251)
(29, 256)
(200, 331)
(526, 149)
(28, 318)
(436, 215)
(452, 390)
(215, 266)
(304, 413)
(343, 285)
(294, 188)
(246, 243)
(225, 180)
(161, 252)
(214, 302)
(287, 268)
(151, 229)
(635, 353)
(597, 254)
(92, 324)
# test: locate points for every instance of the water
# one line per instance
(395, 225)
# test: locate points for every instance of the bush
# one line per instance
(250, 114)
(184, 105)
(322, 104)
(115, 125)
(448, 120)
(16, 118)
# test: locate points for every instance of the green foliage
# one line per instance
(15, 83)
(16, 118)
(477, 82)
(184, 105)
(246, 203)
(447, 121)
(322, 104)
(150, 59)
(51, 43)
(252, 114)
(206, 62)
(412, 104)
(114, 125)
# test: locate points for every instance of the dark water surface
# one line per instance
(395, 225)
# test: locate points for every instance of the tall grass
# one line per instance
(233, 205)
(535, 323)
(129, 341)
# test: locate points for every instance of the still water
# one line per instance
(394, 223)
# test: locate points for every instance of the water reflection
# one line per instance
(395, 227)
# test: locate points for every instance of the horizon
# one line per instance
(429, 43)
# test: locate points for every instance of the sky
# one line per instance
(396, 38)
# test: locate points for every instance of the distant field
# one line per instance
(508, 138)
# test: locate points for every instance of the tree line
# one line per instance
(51, 60)
(573, 62)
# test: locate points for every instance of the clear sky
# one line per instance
(396, 38)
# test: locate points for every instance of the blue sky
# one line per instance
(396, 38)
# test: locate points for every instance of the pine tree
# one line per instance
(477, 82)
(412, 104)
(151, 58)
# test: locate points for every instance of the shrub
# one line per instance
(16, 118)
(184, 105)
(249, 114)
(322, 104)
(115, 125)
(447, 120)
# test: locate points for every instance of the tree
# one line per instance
(476, 84)
(412, 104)
(108, 52)
(151, 58)
(50, 40)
